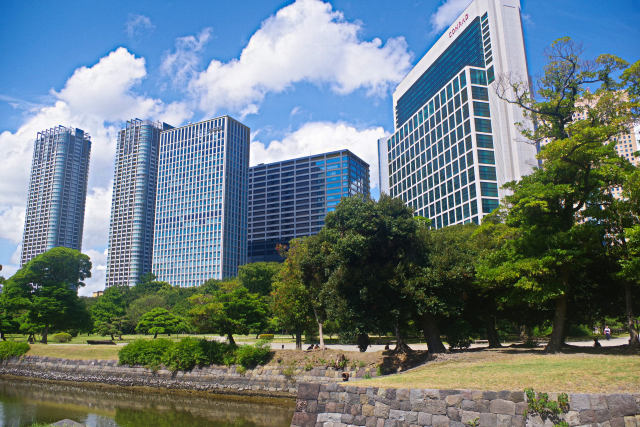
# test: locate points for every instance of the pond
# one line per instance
(24, 402)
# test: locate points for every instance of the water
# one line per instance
(24, 402)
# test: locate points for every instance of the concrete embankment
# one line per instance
(338, 405)
(268, 380)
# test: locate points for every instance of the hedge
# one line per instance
(10, 349)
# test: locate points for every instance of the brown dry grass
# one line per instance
(75, 351)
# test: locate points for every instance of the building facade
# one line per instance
(456, 143)
(133, 202)
(57, 191)
(290, 198)
(200, 228)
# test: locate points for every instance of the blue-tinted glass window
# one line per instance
(489, 189)
(478, 77)
(484, 141)
(485, 156)
(488, 205)
(488, 173)
(480, 93)
(491, 75)
(483, 125)
(481, 109)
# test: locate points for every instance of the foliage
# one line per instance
(45, 292)
(267, 337)
(161, 321)
(545, 408)
(186, 353)
(249, 356)
(144, 304)
(12, 349)
(62, 337)
(230, 310)
(258, 277)
(458, 334)
(147, 353)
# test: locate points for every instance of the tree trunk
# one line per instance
(401, 344)
(492, 334)
(559, 321)
(298, 340)
(633, 332)
(432, 334)
(112, 338)
(155, 335)
(2, 336)
(231, 340)
(45, 332)
(315, 313)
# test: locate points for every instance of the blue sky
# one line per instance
(305, 76)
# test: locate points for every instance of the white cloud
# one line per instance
(96, 99)
(98, 272)
(305, 41)
(181, 64)
(138, 24)
(446, 13)
(320, 137)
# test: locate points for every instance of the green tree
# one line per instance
(290, 298)
(160, 321)
(230, 310)
(45, 290)
(138, 307)
(554, 210)
(108, 311)
(258, 277)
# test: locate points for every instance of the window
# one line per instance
(488, 173)
(489, 189)
(484, 141)
(478, 77)
(489, 205)
(480, 93)
(483, 125)
(485, 156)
(481, 109)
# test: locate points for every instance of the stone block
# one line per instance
(517, 421)
(331, 406)
(390, 394)
(483, 405)
(630, 421)
(435, 407)
(503, 420)
(598, 401)
(303, 419)
(579, 402)
(617, 422)
(445, 393)
(517, 396)
(367, 410)
(621, 405)
(380, 422)
(468, 417)
(359, 420)
(391, 423)
(381, 410)
(453, 414)
(501, 406)
(439, 421)
(431, 394)
(488, 420)
(572, 418)
(395, 414)
(312, 406)
(424, 419)
(371, 422)
(521, 407)
(402, 394)
(453, 400)
(489, 395)
(355, 409)
(504, 394)
(591, 416)
(468, 405)
(416, 395)
(329, 417)
(346, 419)
(405, 405)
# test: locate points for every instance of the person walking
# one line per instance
(607, 333)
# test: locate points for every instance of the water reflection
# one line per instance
(23, 403)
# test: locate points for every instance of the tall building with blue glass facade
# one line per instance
(133, 202)
(57, 191)
(455, 142)
(200, 228)
(290, 198)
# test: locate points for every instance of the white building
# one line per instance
(455, 142)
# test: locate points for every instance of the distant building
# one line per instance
(133, 202)
(97, 294)
(290, 198)
(57, 191)
(200, 228)
(455, 142)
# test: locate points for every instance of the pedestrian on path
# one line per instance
(607, 333)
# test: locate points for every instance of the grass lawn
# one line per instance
(75, 351)
(508, 369)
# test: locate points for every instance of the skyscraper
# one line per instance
(290, 198)
(201, 202)
(57, 191)
(456, 143)
(133, 202)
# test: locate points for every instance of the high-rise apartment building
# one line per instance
(290, 198)
(455, 142)
(133, 202)
(200, 228)
(57, 191)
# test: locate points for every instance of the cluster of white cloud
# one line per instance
(446, 13)
(306, 41)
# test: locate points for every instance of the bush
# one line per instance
(219, 352)
(62, 337)
(265, 337)
(148, 353)
(459, 335)
(12, 349)
(185, 354)
(249, 356)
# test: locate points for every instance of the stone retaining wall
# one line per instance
(338, 405)
(264, 380)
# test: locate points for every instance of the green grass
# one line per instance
(502, 370)
(76, 351)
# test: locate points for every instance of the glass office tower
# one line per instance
(201, 202)
(456, 143)
(57, 191)
(133, 202)
(290, 198)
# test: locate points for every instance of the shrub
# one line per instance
(148, 353)
(62, 337)
(185, 354)
(12, 349)
(219, 352)
(265, 337)
(249, 356)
